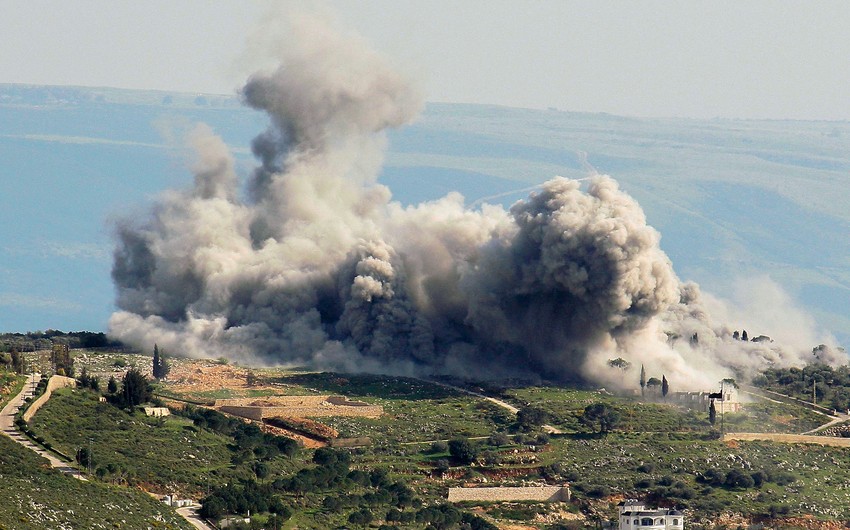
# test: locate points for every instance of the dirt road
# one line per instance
(505, 405)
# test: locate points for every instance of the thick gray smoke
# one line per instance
(316, 265)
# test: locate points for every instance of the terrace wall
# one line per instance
(535, 493)
(297, 407)
(54, 383)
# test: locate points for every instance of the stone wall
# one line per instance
(788, 438)
(297, 407)
(56, 382)
(537, 493)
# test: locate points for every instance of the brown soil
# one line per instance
(809, 523)
(191, 376)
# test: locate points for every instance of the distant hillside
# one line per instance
(732, 198)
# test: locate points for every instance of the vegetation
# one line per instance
(160, 365)
(36, 497)
(44, 340)
(831, 386)
(433, 437)
(165, 453)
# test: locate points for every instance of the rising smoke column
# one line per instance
(316, 265)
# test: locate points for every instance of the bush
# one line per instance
(498, 439)
(362, 517)
(463, 451)
(438, 447)
(759, 478)
(598, 491)
(738, 479)
(646, 468)
(783, 479)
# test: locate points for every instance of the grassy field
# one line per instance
(662, 453)
(565, 407)
(36, 497)
(164, 454)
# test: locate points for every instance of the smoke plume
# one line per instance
(310, 262)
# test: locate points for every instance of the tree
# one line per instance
(730, 381)
(653, 384)
(462, 451)
(84, 379)
(642, 379)
(84, 457)
(135, 389)
(712, 412)
(620, 363)
(744, 335)
(529, 418)
(600, 414)
(17, 361)
(112, 385)
(160, 366)
(665, 387)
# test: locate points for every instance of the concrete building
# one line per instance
(174, 502)
(700, 401)
(635, 515)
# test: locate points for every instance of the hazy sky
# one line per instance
(767, 58)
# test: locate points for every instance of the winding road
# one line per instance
(7, 424)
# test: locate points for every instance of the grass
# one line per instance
(37, 497)
(659, 452)
(166, 454)
(11, 385)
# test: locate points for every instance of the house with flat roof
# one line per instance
(635, 515)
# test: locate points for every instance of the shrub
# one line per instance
(598, 491)
(498, 439)
(646, 468)
(783, 479)
(463, 451)
(362, 516)
(736, 478)
(438, 447)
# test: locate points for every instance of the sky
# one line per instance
(730, 59)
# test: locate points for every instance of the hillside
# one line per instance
(733, 199)
(396, 469)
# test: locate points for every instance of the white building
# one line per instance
(725, 402)
(634, 515)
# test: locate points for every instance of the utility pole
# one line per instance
(722, 409)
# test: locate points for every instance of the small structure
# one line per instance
(229, 521)
(701, 401)
(157, 412)
(635, 515)
(174, 502)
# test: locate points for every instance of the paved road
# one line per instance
(190, 514)
(7, 425)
